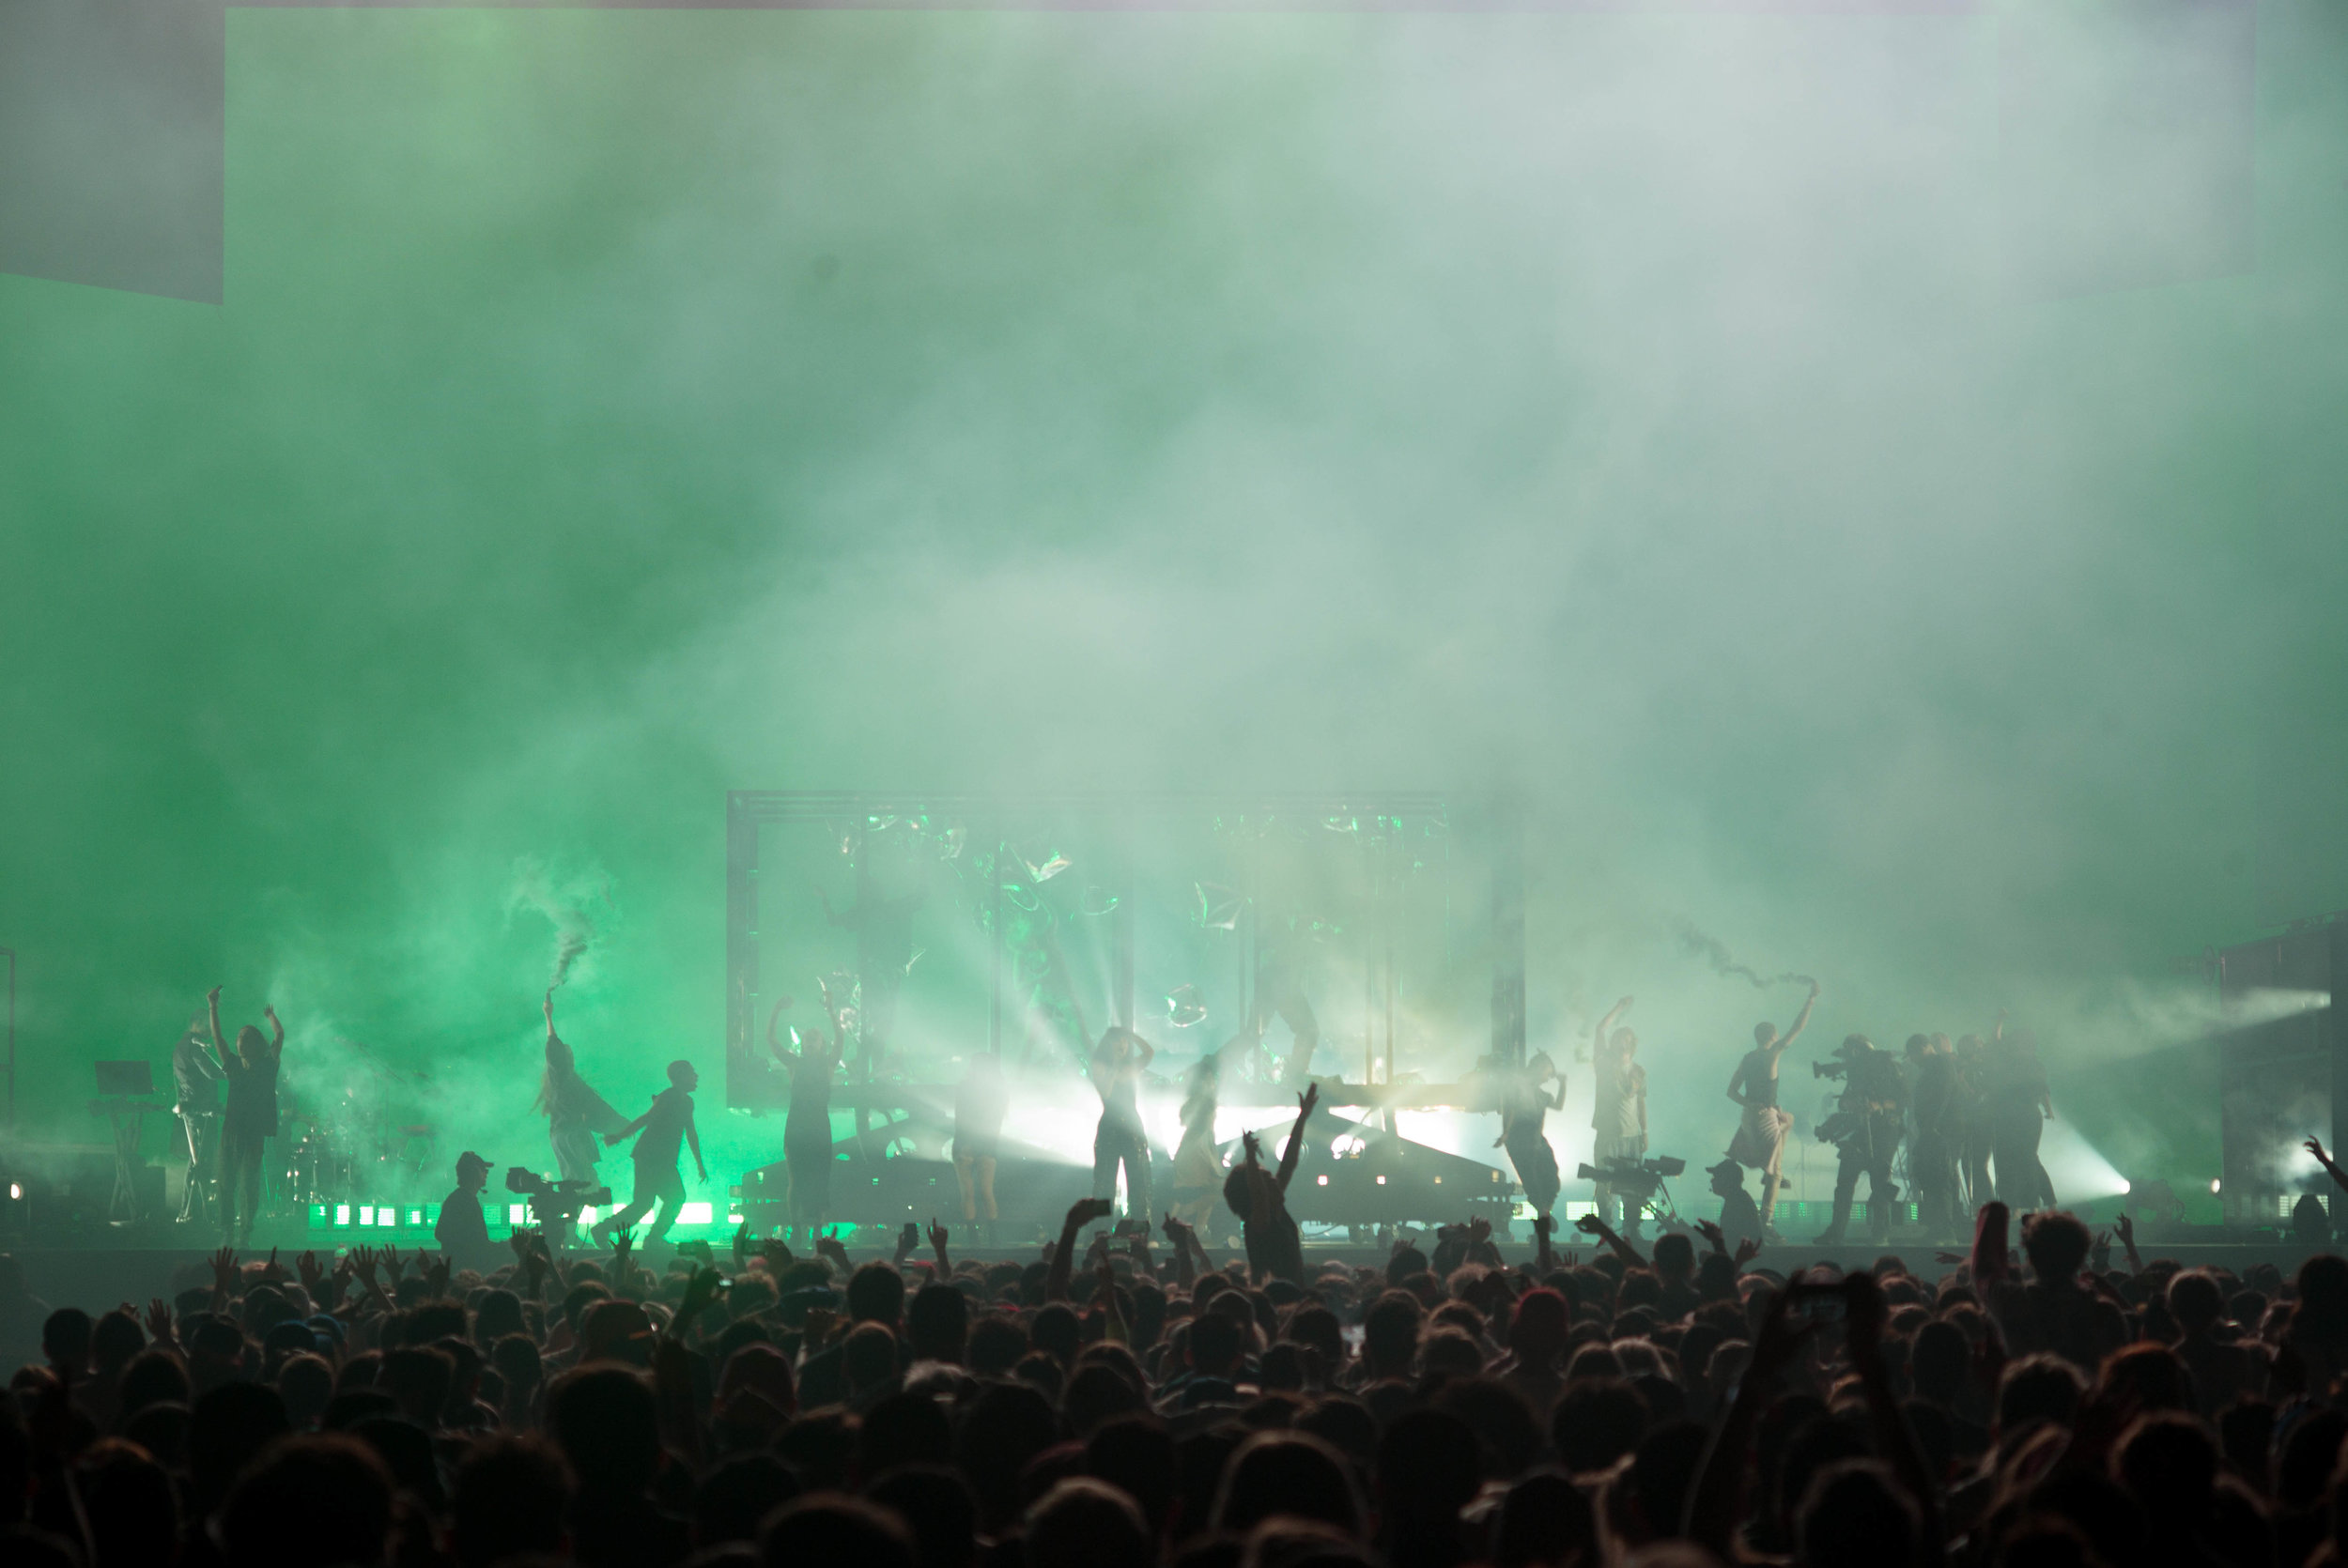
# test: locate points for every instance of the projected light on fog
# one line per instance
(2080, 1173)
(1055, 1121)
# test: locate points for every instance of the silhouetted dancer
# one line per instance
(1760, 1138)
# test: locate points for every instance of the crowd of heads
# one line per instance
(1447, 1405)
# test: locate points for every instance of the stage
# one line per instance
(97, 1278)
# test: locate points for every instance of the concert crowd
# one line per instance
(1116, 1405)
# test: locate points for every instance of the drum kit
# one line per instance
(358, 1132)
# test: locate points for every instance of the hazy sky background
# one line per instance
(1699, 423)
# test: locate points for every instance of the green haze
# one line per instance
(1684, 419)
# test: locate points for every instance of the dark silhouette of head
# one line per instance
(507, 1500)
(319, 1500)
(1287, 1472)
(831, 1528)
(1085, 1522)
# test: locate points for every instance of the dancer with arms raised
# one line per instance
(1760, 1140)
(252, 1118)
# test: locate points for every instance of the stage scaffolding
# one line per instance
(989, 822)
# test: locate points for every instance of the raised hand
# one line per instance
(699, 1293)
(1776, 1346)
(938, 1236)
(1590, 1224)
(778, 1255)
(1254, 1150)
(623, 1244)
(1306, 1101)
(1176, 1231)
(159, 1320)
(225, 1271)
(312, 1275)
(742, 1247)
(1479, 1230)
(1989, 1361)
(820, 1323)
(908, 1240)
(1713, 1235)
(1864, 1313)
(270, 1271)
(362, 1263)
(2125, 1228)
(393, 1261)
(1747, 1250)
(435, 1275)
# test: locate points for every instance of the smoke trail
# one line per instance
(564, 905)
(1715, 952)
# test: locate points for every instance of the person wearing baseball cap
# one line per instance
(462, 1230)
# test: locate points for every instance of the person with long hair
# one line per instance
(806, 1126)
(574, 1113)
(1761, 1124)
(252, 1118)
(2020, 1105)
(1198, 1159)
(1115, 1068)
(979, 1110)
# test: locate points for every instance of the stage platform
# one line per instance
(97, 1277)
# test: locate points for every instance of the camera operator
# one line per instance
(1866, 1132)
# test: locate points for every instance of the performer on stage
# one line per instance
(1525, 1104)
(576, 1114)
(1115, 1068)
(194, 1070)
(1620, 1118)
(807, 1127)
(1275, 1248)
(252, 1118)
(2020, 1105)
(1866, 1132)
(1198, 1159)
(1935, 1136)
(1760, 1140)
(978, 1112)
(657, 1178)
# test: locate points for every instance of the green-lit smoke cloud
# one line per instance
(610, 408)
